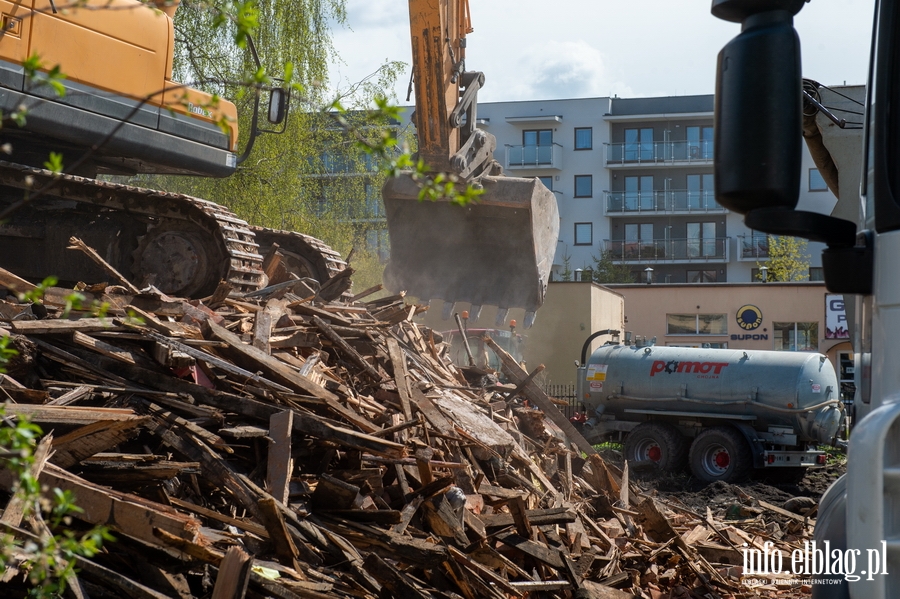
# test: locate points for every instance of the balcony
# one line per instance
(753, 247)
(659, 153)
(670, 201)
(534, 157)
(667, 250)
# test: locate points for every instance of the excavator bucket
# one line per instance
(497, 251)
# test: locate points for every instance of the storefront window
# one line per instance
(796, 336)
(696, 324)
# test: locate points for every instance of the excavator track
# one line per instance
(182, 244)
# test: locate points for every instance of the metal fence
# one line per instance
(565, 393)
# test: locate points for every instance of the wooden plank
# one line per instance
(125, 513)
(234, 575)
(49, 327)
(106, 349)
(280, 465)
(15, 283)
(283, 374)
(516, 507)
(265, 322)
(274, 522)
(398, 359)
(536, 550)
(74, 415)
(557, 515)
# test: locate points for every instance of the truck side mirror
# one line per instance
(277, 105)
(758, 123)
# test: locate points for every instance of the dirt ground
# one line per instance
(697, 495)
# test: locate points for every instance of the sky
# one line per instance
(553, 49)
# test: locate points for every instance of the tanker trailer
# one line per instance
(724, 412)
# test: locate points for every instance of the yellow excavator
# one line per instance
(122, 114)
(497, 251)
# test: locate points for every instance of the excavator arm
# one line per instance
(497, 251)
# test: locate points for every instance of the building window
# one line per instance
(638, 243)
(701, 240)
(547, 181)
(816, 273)
(537, 137)
(584, 186)
(755, 245)
(796, 336)
(584, 233)
(696, 324)
(702, 276)
(700, 143)
(639, 144)
(816, 182)
(584, 138)
(700, 194)
(638, 194)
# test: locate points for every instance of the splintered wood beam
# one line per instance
(274, 522)
(234, 575)
(77, 244)
(125, 513)
(279, 463)
(536, 395)
(94, 438)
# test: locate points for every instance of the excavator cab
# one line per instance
(495, 251)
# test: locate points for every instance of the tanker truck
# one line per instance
(726, 413)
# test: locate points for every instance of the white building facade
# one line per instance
(634, 180)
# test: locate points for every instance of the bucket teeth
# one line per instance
(502, 313)
(474, 313)
(529, 319)
(447, 310)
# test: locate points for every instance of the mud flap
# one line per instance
(498, 251)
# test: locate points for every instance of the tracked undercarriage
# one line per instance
(181, 244)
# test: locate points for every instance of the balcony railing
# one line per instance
(753, 247)
(656, 152)
(661, 201)
(531, 157)
(668, 250)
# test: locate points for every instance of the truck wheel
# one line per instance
(658, 444)
(721, 453)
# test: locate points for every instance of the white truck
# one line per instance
(759, 101)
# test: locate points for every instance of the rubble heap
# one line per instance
(276, 444)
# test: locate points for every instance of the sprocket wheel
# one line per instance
(183, 259)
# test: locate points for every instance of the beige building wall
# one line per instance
(646, 307)
(571, 312)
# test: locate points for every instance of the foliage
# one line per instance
(566, 274)
(607, 271)
(47, 558)
(788, 260)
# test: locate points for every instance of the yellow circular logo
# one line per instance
(749, 317)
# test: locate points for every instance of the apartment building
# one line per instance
(634, 182)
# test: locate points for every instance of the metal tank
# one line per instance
(762, 388)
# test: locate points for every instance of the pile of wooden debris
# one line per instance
(279, 445)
